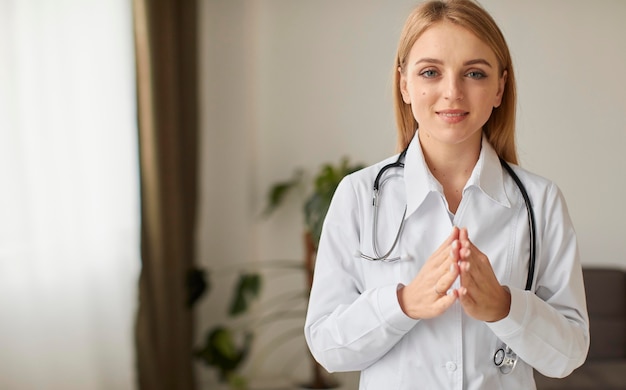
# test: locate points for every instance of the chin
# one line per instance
(453, 135)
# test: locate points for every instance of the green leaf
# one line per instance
(315, 210)
(224, 344)
(237, 382)
(246, 291)
(221, 350)
(278, 192)
(223, 341)
(325, 184)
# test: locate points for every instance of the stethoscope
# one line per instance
(504, 358)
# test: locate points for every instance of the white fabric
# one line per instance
(69, 215)
(354, 321)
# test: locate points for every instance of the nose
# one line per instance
(453, 89)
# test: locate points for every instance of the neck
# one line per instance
(452, 161)
(451, 165)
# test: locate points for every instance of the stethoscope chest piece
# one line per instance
(505, 359)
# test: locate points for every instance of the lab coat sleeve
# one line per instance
(549, 329)
(348, 327)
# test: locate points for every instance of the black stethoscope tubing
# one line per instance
(529, 209)
(531, 223)
(504, 358)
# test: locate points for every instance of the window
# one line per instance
(69, 195)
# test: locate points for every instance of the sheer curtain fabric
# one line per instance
(69, 209)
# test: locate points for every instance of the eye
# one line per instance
(429, 73)
(476, 75)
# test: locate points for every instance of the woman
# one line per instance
(447, 304)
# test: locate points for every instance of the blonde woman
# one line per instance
(448, 278)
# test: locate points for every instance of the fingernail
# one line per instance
(451, 267)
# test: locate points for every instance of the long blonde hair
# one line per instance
(500, 127)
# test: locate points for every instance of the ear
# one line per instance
(501, 86)
(403, 88)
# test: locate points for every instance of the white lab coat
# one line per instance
(355, 323)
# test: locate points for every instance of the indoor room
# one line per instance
(168, 167)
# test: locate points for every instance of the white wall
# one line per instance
(570, 59)
(226, 224)
(294, 83)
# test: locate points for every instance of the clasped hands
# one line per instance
(430, 293)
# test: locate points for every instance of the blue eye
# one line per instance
(429, 73)
(476, 75)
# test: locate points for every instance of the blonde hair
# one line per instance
(500, 127)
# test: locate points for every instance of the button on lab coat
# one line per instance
(355, 323)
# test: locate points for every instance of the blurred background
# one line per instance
(139, 140)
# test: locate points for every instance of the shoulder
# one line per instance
(545, 195)
(363, 179)
(357, 188)
(534, 184)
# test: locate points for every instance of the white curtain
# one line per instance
(69, 212)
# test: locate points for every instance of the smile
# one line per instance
(452, 116)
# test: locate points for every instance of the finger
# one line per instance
(479, 279)
(463, 234)
(454, 235)
(466, 244)
(471, 268)
(464, 266)
(467, 300)
(467, 278)
(462, 292)
(449, 264)
(443, 254)
(455, 250)
(445, 301)
(447, 279)
(470, 254)
(465, 249)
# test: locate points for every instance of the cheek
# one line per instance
(488, 95)
(422, 100)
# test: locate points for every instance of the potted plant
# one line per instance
(226, 347)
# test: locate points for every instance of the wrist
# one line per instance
(505, 306)
(400, 295)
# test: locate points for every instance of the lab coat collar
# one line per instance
(419, 182)
(488, 175)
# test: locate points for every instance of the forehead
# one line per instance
(449, 41)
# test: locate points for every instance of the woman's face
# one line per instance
(452, 83)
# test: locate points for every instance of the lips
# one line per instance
(452, 116)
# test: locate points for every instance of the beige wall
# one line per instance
(294, 83)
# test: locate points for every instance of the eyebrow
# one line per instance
(466, 63)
